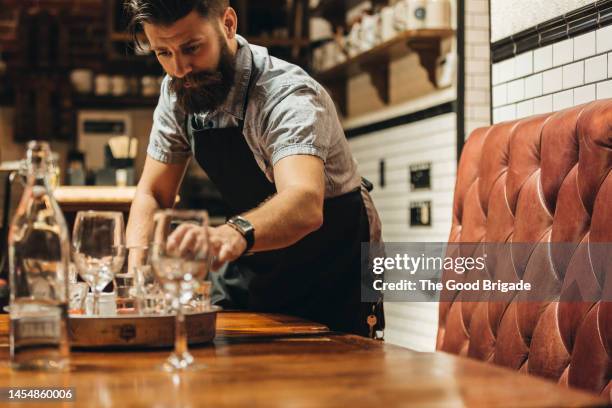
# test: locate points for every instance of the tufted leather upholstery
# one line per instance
(541, 179)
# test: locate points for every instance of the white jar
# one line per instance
(330, 54)
(103, 84)
(438, 14)
(387, 26)
(149, 86)
(320, 29)
(317, 58)
(400, 15)
(82, 80)
(369, 31)
(417, 14)
(119, 85)
(354, 42)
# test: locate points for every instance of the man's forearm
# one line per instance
(285, 219)
(140, 222)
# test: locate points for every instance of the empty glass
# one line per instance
(125, 285)
(150, 297)
(98, 249)
(179, 255)
(78, 295)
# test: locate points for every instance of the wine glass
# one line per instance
(98, 249)
(180, 261)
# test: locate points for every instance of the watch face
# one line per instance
(242, 224)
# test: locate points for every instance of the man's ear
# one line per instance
(230, 23)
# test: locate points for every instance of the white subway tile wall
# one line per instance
(557, 76)
(596, 69)
(584, 94)
(543, 104)
(477, 66)
(604, 90)
(412, 325)
(552, 80)
(533, 86)
(500, 95)
(524, 64)
(516, 90)
(563, 52)
(562, 100)
(584, 46)
(604, 39)
(573, 75)
(504, 113)
(542, 58)
(524, 109)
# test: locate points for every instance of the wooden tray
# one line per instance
(130, 331)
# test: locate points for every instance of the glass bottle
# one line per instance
(39, 256)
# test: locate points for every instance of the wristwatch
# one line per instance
(244, 227)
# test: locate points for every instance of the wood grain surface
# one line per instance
(277, 361)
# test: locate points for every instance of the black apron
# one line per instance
(318, 278)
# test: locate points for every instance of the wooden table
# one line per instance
(276, 361)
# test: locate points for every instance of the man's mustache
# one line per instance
(197, 80)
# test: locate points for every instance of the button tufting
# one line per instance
(544, 179)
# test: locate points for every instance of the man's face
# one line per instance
(194, 52)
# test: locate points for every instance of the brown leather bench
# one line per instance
(543, 179)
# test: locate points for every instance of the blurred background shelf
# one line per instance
(375, 62)
(420, 41)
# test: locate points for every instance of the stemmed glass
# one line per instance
(180, 261)
(98, 243)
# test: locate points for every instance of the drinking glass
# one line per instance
(180, 261)
(78, 295)
(98, 249)
(148, 290)
(125, 285)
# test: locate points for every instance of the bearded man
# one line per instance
(269, 138)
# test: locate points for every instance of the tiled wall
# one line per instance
(477, 65)
(412, 325)
(551, 78)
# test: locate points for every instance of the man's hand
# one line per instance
(229, 244)
(223, 243)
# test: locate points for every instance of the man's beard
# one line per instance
(207, 89)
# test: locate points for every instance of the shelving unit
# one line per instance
(258, 20)
(375, 62)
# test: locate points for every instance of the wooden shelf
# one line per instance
(425, 42)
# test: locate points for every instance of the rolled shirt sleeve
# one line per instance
(297, 126)
(168, 142)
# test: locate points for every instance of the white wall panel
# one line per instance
(412, 325)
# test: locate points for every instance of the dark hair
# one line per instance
(167, 12)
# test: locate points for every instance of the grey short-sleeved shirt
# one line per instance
(288, 113)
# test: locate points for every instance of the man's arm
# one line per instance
(157, 188)
(294, 212)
